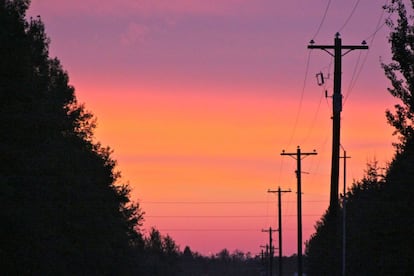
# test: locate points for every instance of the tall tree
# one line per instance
(400, 175)
(61, 208)
(400, 72)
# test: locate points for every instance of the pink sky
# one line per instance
(198, 99)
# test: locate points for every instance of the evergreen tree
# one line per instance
(61, 211)
(400, 175)
(400, 72)
(161, 255)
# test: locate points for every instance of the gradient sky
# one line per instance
(198, 99)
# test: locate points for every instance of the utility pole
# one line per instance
(344, 217)
(299, 156)
(336, 130)
(279, 201)
(337, 109)
(264, 257)
(271, 249)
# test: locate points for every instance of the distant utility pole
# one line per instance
(264, 256)
(279, 201)
(344, 217)
(271, 249)
(299, 156)
(337, 108)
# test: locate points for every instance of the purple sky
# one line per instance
(154, 70)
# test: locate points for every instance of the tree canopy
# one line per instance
(63, 209)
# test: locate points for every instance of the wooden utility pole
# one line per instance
(279, 202)
(299, 156)
(344, 217)
(271, 249)
(336, 122)
(336, 108)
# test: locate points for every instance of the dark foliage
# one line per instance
(61, 210)
(222, 263)
(160, 256)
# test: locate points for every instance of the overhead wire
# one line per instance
(318, 108)
(358, 68)
(288, 202)
(220, 216)
(220, 230)
(298, 113)
(314, 118)
(293, 132)
(212, 202)
(349, 16)
(321, 23)
(317, 158)
(316, 113)
(356, 73)
(322, 20)
(210, 230)
(286, 215)
(267, 209)
(380, 23)
(354, 76)
(300, 100)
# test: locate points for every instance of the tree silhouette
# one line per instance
(400, 72)
(400, 174)
(61, 209)
(161, 255)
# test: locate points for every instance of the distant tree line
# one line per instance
(379, 207)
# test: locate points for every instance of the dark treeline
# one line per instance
(236, 263)
(63, 210)
(379, 207)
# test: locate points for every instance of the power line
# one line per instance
(315, 117)
(224, 202)
(208, 230)
(204, 202)
(371, 38)
(323, 20)
(221, 216)
(380, 23)
(301, 99)
(357, 69)
(349, 16)
(219, 229)
(354, 76)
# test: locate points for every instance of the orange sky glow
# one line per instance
(198, 101)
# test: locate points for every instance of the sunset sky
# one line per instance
(198, 99)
